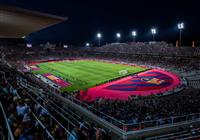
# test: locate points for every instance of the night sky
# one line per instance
(87, 17)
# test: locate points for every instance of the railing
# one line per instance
(137, 126)
(162, 122)
(69, 124)
(28, 85)
(96, 112)
(49, 136)
(10, 134)
(64, 111)
(180, 135)
(130, 127)
(44, 128)
(167, 136)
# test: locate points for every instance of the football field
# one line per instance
(83, 74)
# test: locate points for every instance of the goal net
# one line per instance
(123, 72)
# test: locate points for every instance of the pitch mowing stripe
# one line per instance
(63, 76)
(81, 74)
(62, 73)
(104, 65)
(85, 74)
(98, 65)
(55, 69)
(86, 69)
(89, 69)
(66, 70)
(83, 71)
(110, 71)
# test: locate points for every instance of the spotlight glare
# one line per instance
(180, 26)
(118, 35)
(153, 31)
(134, 33)
(65, 46)
(28, 45)
(99, 35)
(87, 44)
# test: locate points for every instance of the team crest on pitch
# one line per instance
(155, 81)
(149, 80)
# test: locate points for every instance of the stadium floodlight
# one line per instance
(87, 44)
(65, 46)
(154, 32)
(118, 35)
(99, 36)
(134, 34)
(180, 27)
(28, 45)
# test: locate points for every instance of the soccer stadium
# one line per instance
(97, 90)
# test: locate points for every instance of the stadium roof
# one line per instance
(17, 23)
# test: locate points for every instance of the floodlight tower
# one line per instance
(118, 35)
(154, 32)
(180, 27)
(134, 34)
(99, 36)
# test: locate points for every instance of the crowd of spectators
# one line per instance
(158, 49)
(21, 113)
(140, 109)
(151, 48)
(32, 120)
(137, 109)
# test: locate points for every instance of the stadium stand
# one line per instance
(33, 110)
(41, 114)
(158, 48)
(182, 134)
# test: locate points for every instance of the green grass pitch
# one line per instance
(83, 74)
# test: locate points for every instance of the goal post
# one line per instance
(123, 72)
